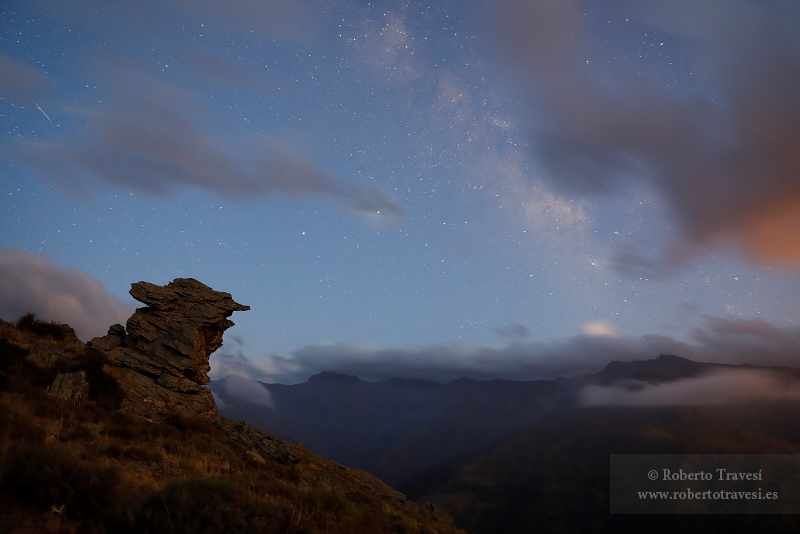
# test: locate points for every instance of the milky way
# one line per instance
(502, 189)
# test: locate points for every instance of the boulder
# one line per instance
(160, 358)
(47, 353)
(71, 386)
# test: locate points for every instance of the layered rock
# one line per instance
(161, 357)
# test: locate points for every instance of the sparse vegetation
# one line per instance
(29, 323)
(91, 468)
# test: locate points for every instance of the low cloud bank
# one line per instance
(722, 387)
(32, 283)
(237, 377)
(718, 339)
(227, 362)
(243, 389)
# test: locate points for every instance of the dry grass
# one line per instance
(93, 468)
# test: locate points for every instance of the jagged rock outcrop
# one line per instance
(161, 357)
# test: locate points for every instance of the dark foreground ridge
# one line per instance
(119, 435)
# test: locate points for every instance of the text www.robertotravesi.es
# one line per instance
(707, 495)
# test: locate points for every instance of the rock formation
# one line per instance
(161, 357)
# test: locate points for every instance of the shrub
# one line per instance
(125, 426)
(30, 323)
(187, 424)
(17, 374)
(215, 505)
(104, 390)
(16, 426)
(50, 476)
(327, 500)
(77, 433)
(186, 464)
(172, 445)
(199, 443)
(143, 453)
(11, 356)
(113, 449)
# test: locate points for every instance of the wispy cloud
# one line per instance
(723, 387)
(18, 79)
(513, 331)
(253, 18)
(32, 283)
(151, 137)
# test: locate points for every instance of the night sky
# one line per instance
(513, 189)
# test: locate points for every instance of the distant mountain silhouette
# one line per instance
(504, 456)
(662, 369)
(398, 428)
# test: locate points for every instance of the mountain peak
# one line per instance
(665, 368)
(330, 377)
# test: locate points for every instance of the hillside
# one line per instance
(395, 428)
(554, 476)
(92, 439)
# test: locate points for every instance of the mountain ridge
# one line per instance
(398, 428)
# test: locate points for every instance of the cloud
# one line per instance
(32, 283)
(719, 138)
(718, 340)
(630, 260)
(18, 79)
(443, 363)
(244, 389)
(226, 363)
(513, 331)
(722, 387)
(151, 137)
(276, 18)
(598, 327)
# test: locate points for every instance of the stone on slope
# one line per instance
(71, 386)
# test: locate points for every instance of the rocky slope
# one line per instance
(120, 435)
